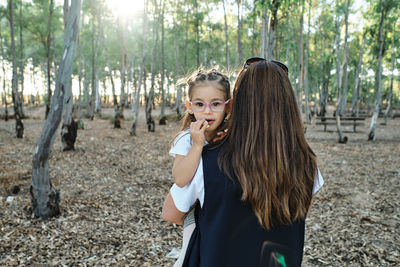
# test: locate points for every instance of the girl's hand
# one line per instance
(197, 130)
(220, 135)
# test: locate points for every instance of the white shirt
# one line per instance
(185, 197)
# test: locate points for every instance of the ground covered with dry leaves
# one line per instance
(113, 185)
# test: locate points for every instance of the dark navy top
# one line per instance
(227, 230)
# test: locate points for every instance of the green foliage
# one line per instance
(180, 42)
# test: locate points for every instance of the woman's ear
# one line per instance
(188, 107)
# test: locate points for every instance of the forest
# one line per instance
(92, 93)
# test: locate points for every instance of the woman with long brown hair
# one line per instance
(258, 184)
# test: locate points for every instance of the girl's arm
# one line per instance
(185, 166)
(170, 213)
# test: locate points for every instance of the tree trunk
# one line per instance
(226, 37)
(69, 129)
(4, 77)
(306, 81)
(338, 70)
(300, 67)
(253, 27)
(19, 126)
(325, 86)
(21, 63)
(5, 91)
(186, 39)
(168, 101)
(178, 101)
(239, 32)
(97, 106)
(314, 97)
(86, 90)
(354, 106)
(197, 28)
(288, 40)
(150, 99)
(92, 99)
(149, 104)
(342, 139)
(117, 109)
(378, 77)
(388, 110)
(45, 198)
(163, 118)
(80, 121)
(178, 95)
(142, 66)
(264, 31)
(134, 87)
(49, 56)
(122, 96)
(343, 100)
(5, 95)
(273, 24)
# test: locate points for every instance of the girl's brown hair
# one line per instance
(266, 146)
(199, 78)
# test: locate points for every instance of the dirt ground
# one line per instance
(113, 185)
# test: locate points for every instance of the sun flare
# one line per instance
(126, 8)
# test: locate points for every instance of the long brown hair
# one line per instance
(202, 77)
(266, 146)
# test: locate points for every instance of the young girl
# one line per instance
(208, 107)
(259, 184)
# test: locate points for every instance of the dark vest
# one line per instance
(228, 233)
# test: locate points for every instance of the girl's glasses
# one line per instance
(258, 59)
(216, 106)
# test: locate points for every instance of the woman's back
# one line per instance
(229, 233)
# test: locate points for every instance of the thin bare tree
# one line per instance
(154, 62)
(272, 28)
(264, 29)
(239, 31)
(378, 76)
(226, 36)
(197, 29)
(69, 129)
(21, 62)
(345, 74)
(306, 79)
(141, 73)
(45, 198)
(356, 92)
(301, 61)
(163, 118)
(5, 101)
(342, 139)
(19, 126)
(388, 110)
(49, 56)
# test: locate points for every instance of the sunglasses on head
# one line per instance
(252, 60)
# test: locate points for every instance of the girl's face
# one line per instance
(212, 100)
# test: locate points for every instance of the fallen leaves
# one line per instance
(113, 186)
